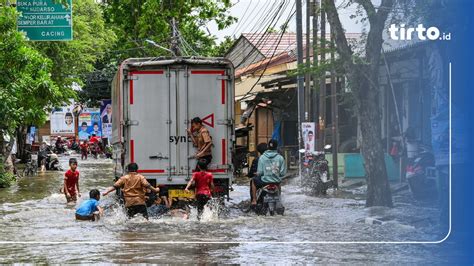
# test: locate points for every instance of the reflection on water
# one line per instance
(33, 210)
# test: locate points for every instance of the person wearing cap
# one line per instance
(271, 168)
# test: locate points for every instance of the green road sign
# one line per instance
(45, 20)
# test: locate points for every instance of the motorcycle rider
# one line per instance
(271, 168)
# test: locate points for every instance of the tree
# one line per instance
(72, 60)
(221, 49)
(135, 21)
(363, 78)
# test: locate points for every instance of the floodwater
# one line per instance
(35, 211)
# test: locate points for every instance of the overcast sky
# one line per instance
(249, 12)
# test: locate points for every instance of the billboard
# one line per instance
(62, 120)
(308, 135)
(106, 118)
(89, 123)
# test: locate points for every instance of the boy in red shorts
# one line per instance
(204, 185)
(71, 182)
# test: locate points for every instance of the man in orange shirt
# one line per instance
(202, 140)
(134, 188)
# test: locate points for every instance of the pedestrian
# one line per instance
(84, 150)
(89, 210)
(202, 140)
(71, 182)
(271, 168)
(133, 186)
(204, 185)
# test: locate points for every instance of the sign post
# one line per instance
(45, 20)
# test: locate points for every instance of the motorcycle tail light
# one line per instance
(272, 187)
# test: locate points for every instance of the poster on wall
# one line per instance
(308, 135)
(62, 120)
(106, 118)
(89, 123)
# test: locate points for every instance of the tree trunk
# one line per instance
(368, 109)
(21, 142)
(363, 78)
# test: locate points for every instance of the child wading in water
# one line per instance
(89, 210)
(204, 185)
(71, 182)
(84, 150)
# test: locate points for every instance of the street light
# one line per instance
(159, 46)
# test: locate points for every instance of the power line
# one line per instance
(274, 51)
(264, 35)
(242, 19)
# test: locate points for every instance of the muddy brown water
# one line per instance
(34, 216)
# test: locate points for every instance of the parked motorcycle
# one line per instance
(421, 186)
(315, 177)
(49, 160)
(269, 200)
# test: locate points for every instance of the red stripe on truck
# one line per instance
(151, 171)
(224, 159)
(208, 72)
(213, 72)
(223, 91)
(144, 72)
(131, 92)
(132, 151)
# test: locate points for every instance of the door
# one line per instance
(149, 118)
(162, 104)
(206, 94)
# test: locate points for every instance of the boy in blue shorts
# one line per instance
(89, 210)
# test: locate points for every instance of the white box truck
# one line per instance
(153, 102)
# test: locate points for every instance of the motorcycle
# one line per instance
(49, 160)
(420, 185)
(315, 172)
(269, 200)
(75, 147)
(60, 148)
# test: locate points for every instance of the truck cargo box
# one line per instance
(154, 100)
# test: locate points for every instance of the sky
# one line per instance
(249, 12)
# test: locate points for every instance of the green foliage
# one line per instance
(72, 59)
(221, 49)
(134, 21)
(137, 20)
(26, 86)
(6, 179)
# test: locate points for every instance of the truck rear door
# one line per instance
(161, 106)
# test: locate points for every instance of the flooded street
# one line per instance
(34, 211)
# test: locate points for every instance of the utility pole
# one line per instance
(300, 78)
(314, 94)
(322, 88)
(334, 114)
(307, 78)
(174, 38)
